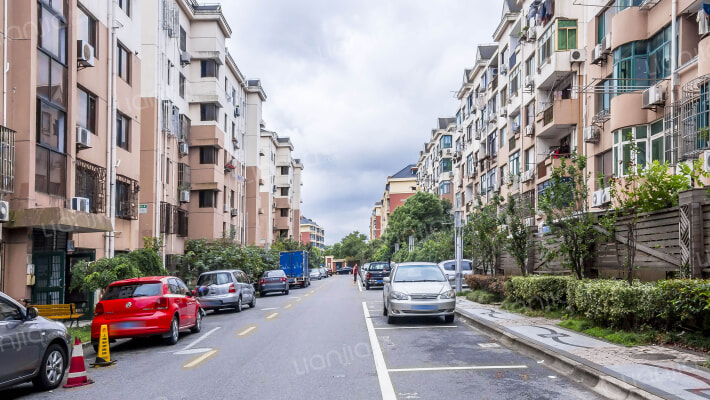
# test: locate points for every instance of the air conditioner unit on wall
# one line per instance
(184, 148)
(606, 42)
(577, 56)
(530, 222)
(529, 130)
(226, 208)
(706, 160)
(529, 81)
(80, 204)
(184, 196)
(4, 211)
(592, 134)
(83, 138)
(598, 53)
(601, 197)
(235, 212)
(184, 58)
(84, 54)
(653, 96)
(606, 197)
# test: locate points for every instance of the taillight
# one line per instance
(283, 279)
(232, 289)
(261, 282)
(367, 276)
(99, 309)
(161, 304)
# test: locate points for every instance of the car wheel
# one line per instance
(384, 311)
(449, 319)
(174, 333)
(252, 304)
(198, 323)
(286, 292)
(390, 319)
(51, 371)
(239, 304)
(367, 286)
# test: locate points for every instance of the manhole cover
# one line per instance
(654, 356)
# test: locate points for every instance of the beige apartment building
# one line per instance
(398, 188)
(376, 221)
(310, 233)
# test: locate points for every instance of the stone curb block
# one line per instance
(600, 382)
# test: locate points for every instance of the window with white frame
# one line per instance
(625, 156)
(514, 164)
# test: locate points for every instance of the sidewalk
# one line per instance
(614, 371)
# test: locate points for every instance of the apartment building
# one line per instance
(194, 96)
(434, 169)
(311, 233)
(376, 221)
(398, 188)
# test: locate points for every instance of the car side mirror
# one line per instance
(386, 279)
(32, 313)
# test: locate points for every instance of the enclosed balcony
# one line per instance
(556, 68)
(557, 118)
(7, 160)
(695, 118)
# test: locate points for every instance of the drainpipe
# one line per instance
(159, 115)
(674, 64)
(5, 68)
(110, 134)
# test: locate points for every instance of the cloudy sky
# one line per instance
(357, 85)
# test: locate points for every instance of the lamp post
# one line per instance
(458, 229)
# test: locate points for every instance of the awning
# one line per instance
(59, 219)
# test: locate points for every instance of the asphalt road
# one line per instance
(328, 341)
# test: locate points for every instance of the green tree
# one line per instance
(483, 236)
(419, 216)
(518, 241)
(354, 246)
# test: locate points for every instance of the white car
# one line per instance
(418, 289)
(449, 268)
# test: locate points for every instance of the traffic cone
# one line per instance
(77, 371)
(103, 358)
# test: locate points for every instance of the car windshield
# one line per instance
(214, 279)
(274, 274)
(419, 273)
(132, 290)
(451, 266)
(379, 267)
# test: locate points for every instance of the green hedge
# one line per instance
(669, 304)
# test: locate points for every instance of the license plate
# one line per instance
(424, 307)
(127, 325)
(379, 281)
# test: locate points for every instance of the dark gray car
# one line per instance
(229, 288)
(273, 281)
(32, 348)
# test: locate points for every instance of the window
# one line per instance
(91, 183)
(8, 312)
(446, 142)
(657, 142)
(50, 172)
(502, 137)
(124, 5)
(284, 191)
(126, 201)
(470, 166)
(51, 79)
(209, 68)
(604, 169)
(604, 95)
(53, 31)
(604, 23)
(87, 110)
(284, 212)
(208, 199)
(183, 40)
(181, 82)
(514, 83)
(123, 62)
(51, 126)
(446, 165)
(492, 147)
(544, 47)
(209, 155)
(529, 159)
(231, 199)
(514, 164)
(624, 156)
(168, 68)
(642, 63)
(208, 112)
(624, 4)
(530, 66)
(566, 35)
(445, 187)
(123, 131)
(87, 29)
(284, 170)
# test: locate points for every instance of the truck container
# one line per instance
(295, 265)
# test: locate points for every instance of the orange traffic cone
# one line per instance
(77, 371)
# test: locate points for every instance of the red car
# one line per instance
(148, 306)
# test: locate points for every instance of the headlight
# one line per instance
(399, 296)
(449, 294)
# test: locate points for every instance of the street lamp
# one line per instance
(458, 228)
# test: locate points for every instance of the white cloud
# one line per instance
(357, 85)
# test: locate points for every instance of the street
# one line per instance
(327, 341)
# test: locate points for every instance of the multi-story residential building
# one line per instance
(193, 147)
(253, 157)
(434, 169)
(376, 221)
(311, 233)
(78, 129)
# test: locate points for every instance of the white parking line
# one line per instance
(269, 309)
(203, 337)
(473, 367)
(380, 365)
(359, 285)
(415, 327)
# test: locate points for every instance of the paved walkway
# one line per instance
(664, 372)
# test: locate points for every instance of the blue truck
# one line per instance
(295, 265)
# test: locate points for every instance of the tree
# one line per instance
(354, 246)
(437, 247)
(518, 241)
(564, 205)
(483, 236)
(419, 216)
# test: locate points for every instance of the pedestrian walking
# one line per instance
(355, 273)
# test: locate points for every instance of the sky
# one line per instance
(357, 85)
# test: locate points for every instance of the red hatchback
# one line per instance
(156, 305)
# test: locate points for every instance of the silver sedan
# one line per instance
(418, 289)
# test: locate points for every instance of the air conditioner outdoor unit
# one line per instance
(653, 96)
(184, 58)
(235, 142)
(527, 175)
(236, 112)
(80, 204)
(477, 135)
(592, 134)
(598, 198)
(529, 81)
(531, 35)
(503, 112)
(83, 138)
(85, 53)
(226, 208)
(184, 148)
(530, 222)
(529, 130)
(598, 53)
(4, 211)
(706, 160)
(606, 196)
(184, 196)
(447, 152)
(235, 212)
(607, 43)
(577, 56)
(504, 69)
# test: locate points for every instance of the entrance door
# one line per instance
(84, 301)
(49, 278)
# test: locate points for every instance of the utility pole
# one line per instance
(458, 228)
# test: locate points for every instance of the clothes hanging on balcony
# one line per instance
(704, 19)
(533, 13)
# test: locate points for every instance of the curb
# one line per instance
(586, 373)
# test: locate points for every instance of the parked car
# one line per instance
(229, 288)
(449, 268)
(418, 289)
(324, 272)
(148, 306)
(273, 281)
(374, 274)
(361, 271)
(315, 274)
(32, 348)
(345, 271)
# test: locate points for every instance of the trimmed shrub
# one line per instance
(684, 304)
(539, 292)
(482, 296)
(489, 283)
(615, 303)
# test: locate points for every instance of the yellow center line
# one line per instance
(272, 315)
(306, 295)
(199, 360)
(288, 306)
(247, 331)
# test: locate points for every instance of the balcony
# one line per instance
(555, 69)
(552, 161)
(282, 202)
(7, 160)
(694, 118)
(557, 118)
(173, 220)
(184, 176)
(282, 223)
(208, 90)
(283, 181)
(91, 184)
